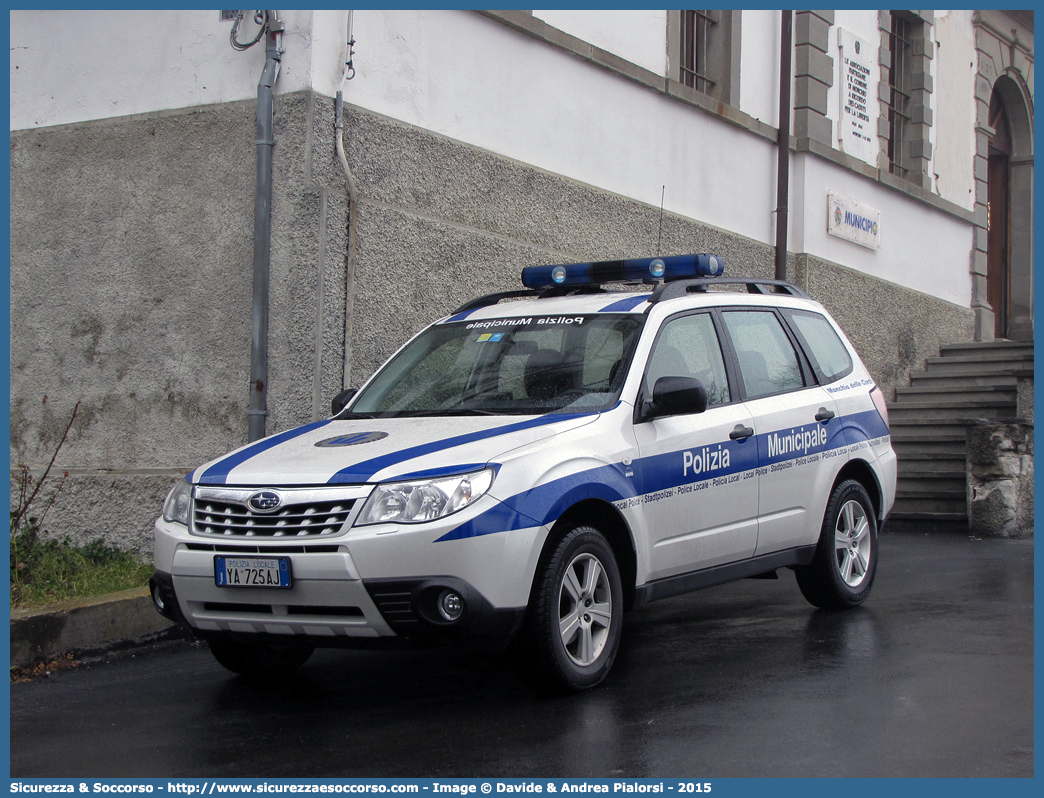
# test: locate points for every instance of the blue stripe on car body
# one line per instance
(447, 471)
(218, 473)
(545, 503)
(459, 316)
(864, 426)
(364, 471)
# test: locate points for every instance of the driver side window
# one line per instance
(688, 347)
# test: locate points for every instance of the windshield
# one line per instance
(524, 366)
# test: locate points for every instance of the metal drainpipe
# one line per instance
(353, 206)
(783, 145)
(353, 201)
(263, 232)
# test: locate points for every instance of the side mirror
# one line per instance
(676, 396)
(339, 402)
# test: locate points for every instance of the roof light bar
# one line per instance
(672, 267)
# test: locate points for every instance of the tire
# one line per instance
(842, 571)
(572, 629)
(259, 659)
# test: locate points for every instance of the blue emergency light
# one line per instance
(672, 267)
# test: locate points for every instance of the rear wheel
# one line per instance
(842, 571)
(259, 659)
(572, 629)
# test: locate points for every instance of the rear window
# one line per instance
(823, 344)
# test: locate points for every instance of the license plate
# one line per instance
(252, 571)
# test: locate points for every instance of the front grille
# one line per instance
(213, 517)
(226, 606)
(342, 612)
(396, 606)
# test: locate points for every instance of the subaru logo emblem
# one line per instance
(264, 501)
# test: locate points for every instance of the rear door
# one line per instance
(798, 433)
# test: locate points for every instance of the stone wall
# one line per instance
(1000, 479)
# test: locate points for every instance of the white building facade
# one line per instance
(479, 142)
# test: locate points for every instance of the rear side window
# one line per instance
(823, 344)
(768, 363)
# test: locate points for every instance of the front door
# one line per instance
(699, 473)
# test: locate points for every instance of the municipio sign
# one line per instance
(853, 221)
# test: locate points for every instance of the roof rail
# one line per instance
(755, 285)
(540, 293)
(492, 299)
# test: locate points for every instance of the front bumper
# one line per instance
(366, 584)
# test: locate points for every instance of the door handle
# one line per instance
(741, 433)
(824, 414)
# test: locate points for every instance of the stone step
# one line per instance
(987, 347)
(920, 469)
(925, 487)
(962, 379)
(923, 428)
(939, 462)
(994, 408)
(928, 446)
(940, 494)
(931, 502)
(912, 470)
(940, 394)
(929, 518)
(927, 469)
(1000, 362)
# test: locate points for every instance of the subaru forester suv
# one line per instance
(524, 470)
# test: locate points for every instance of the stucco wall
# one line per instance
(894, 329)
(131, 281)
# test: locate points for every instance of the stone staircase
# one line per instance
(929, 423)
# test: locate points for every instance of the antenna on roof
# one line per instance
(660, 231)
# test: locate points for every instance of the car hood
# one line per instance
(379, 450)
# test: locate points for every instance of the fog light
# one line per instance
(451, 605)
(157, 599)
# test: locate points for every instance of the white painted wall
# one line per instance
(477, 81)
(921, 248)
(955, 110)
(637, 36)
(71, 66)
(759, 65)
(547, 108)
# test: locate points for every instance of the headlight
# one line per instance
(423, 500)
(176, 507)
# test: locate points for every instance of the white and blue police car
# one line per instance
(521, 472)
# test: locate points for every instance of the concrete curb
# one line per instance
(82, 625)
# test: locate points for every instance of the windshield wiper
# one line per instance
(457, 411)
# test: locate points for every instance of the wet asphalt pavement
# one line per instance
(933, 676)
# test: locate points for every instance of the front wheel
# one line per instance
(842, 571)
(572, 629)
